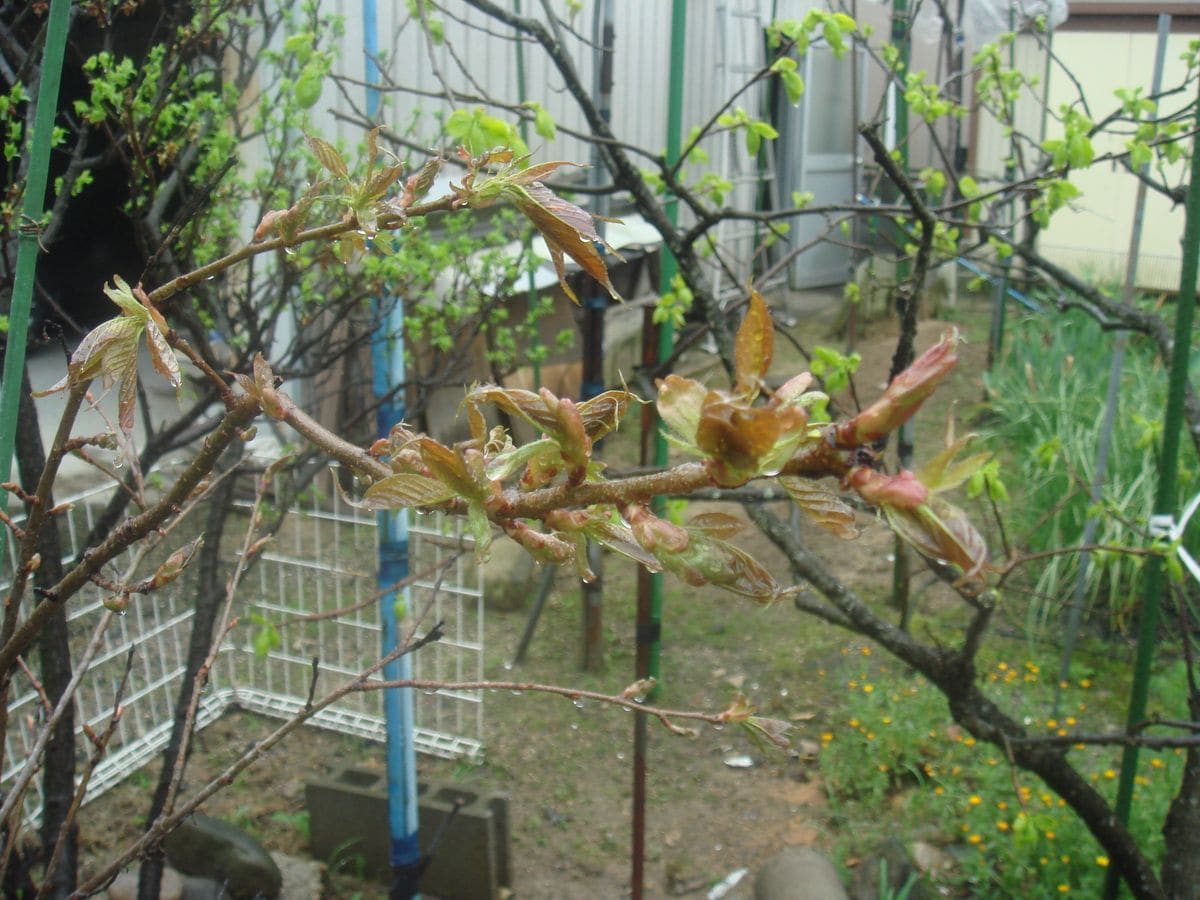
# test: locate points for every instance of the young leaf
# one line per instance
(328, 156)
(823, 506)
(754, 346)
(404, 491)
(567, 230)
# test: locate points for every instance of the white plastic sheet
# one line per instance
(985, 20)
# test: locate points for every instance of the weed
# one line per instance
(897, 745)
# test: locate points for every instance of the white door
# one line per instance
(820, 141)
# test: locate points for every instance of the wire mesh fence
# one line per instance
(315, 590)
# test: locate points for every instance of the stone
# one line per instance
(209, 848)
(126, 885)
(302, 878)
(798, 873)
(928, 857)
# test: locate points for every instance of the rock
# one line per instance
(510, 577)
(891, 863)
(929, 858)
(203, 889)
(209, 848)
(798, 873)
(126, 885)
(302, 877)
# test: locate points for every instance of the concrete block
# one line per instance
(348, 822)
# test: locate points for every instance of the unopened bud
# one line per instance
(903, 491)
(903, 396)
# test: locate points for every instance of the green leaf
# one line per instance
(309, 86)
(543, 123)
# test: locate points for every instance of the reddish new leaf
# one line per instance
(405, 491)
(328, 156)
(822, 506)
(753, 347)
(566, 228)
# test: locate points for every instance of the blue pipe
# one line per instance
(387, 357)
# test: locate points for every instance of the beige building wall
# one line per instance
(1092, 239)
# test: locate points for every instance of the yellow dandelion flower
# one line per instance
(1045, 798)
(853, 685)
(1043, 861)
(1062, 732)
(1141, 780)
(826, 736)
(1110, 774)
(870, 735)
(1064, 685)
(865, 651)
(867, 688)
(1052, 723)
(939, 790)
(974, 800)
(1085, 683)
(1064, 889)
(882, 767)
(969, 741)
(887, 720)
(1072, 721)
(1001, 805)
(1157, 762)
(975, 839)
(1065, 859)
(1102, 862)
(1002, 825)
(1049, 835)
(1002, 666)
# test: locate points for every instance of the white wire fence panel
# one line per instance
(323, 562)
(157, 628)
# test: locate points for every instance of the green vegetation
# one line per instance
(1047, 395)
(893, 744)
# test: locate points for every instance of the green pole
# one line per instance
(1164, 498)
(531, 294)
(904, 440)
(650, 585)
(667, 271)
(32, 209)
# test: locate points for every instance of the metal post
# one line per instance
(32, 208)
(650, 586)
(531, 294)
(1075, 614)
(1164, 500)
(595, 305)
(901, 565)
(387, 357)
